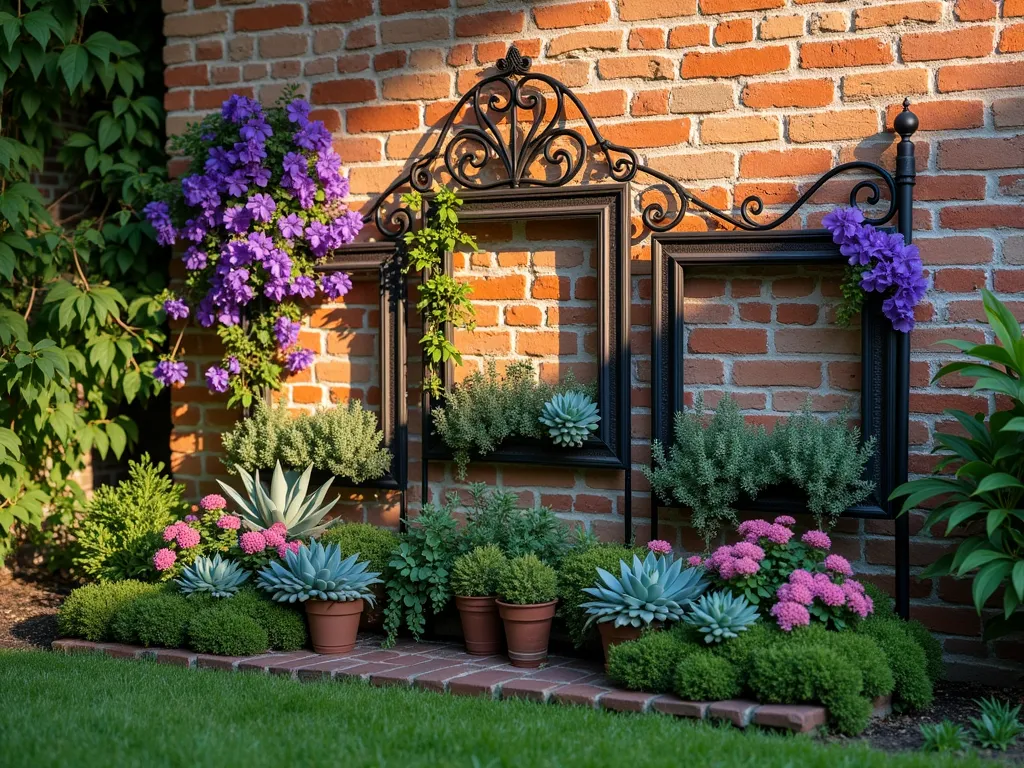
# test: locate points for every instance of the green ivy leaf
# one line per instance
(73, 63)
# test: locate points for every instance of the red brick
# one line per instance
(647, 103)
(392, 7)
(962, 43)
(1008, 113)
(833, 125)
(214, 97)
(888, 82)
(975, 10)
(942, 115)
(606, 40)
(644, 38)
(343, 92)
(893, 14)
(268, 17)
(339, 11)
(734, 31)
(739, 130)
(1012, 8)
(572, 14)
(641, 10)
(380, 119)
(736, 711)
(787, 162)
(765, 373)
(1011, 40)
(791, 93)
(728, 341)
(361, 37)
(689, 36)
(648, 133)
(982, 217)
(190, 74)
(800, 718)
(673, 705)
(977, 77)
(579, 695)
(490, 24)
(736, 62)
(640, 66)
(627, 701)
(834, 54)
(963, 249)
(414, 30)
(196, 24)
(422, 85)
(981, 153)
(735, 6)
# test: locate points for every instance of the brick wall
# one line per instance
(732, 97)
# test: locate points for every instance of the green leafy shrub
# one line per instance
(527, 580)
(705, 676)
(475, 574)
(932, 648)
(123, 525)
(160, 619)
(418, 574)
(883, 603)
(343, 440)
(707, 466)
(227, 631)
(285, 625)
(495, 517)
(577, 570)
(88, 610)
(649, 662)
(861, 650)
(371, 543)
(739, 650)
(912, 689)
(823, 458)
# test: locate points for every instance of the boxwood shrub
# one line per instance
(913, 687)
(160, 619)
(227, 631)
(648, 663)
(705, 676)
(88, 610)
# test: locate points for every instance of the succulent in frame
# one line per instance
(570, 418)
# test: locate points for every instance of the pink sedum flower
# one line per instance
(274, 538)
(785, 520)
(746, 549)
(789, 614)
(694, 561)
(279, 527)
(831, 594)
(798, 593)
(839, 564)
(817, 539)
(752, 530)
(659, 547)
(800, 576)
(859, 604)
(252, 542)
(213, 501)
(187, 537)
(778, 534)
(290, 546)
(229, 522)
(164, 559)
(171, 531)
(727, 569)
(744, 566)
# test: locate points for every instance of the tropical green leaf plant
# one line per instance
(977, 486)
(81, 321)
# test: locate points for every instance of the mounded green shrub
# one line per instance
(227, 631)
(705, 676)
(577, 570)
(527, 580)
(160, 619)
(284, 625)
(932, 650)
(913, 687)
(88, 610)
(649, 662)
(475, 574)
(739, 650)
(883, 603)
(861, 650)
(371, 543)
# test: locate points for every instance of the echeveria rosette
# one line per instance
(262, 204)
(880, 262)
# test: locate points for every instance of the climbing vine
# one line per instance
(442, 298)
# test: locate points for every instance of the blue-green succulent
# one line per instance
(570, 418)
(218, 576)
(721, 616)
(316, 572)
(653, 589)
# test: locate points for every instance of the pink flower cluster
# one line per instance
(164, 559)
(659, 547)
(229, 522)
(777, 532)
(254, 542)
(743, 559)
(184, 535)
(803, 588)
(213, 501)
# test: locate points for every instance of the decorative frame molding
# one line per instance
(671, 255)
(383, 260)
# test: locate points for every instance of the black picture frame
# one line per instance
(367, 261)
(880, 379)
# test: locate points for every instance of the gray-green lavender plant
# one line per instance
(256, 441)
(823, 458)
(709, 463)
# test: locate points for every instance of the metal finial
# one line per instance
(514, 63)
(906, 122)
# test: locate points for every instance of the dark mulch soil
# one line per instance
(28, 610)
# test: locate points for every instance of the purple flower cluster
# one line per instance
(887, 264)
(256, 218)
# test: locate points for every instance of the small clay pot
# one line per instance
(334, 625)
(527, 630)
(481, 626)
(612, 635)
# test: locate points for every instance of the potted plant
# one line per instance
(527, 594)
(334, 591)
(475, 582)
(654, 590)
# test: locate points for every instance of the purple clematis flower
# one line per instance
(216, 379)
(176, 309)
(169, 372)
(261, 206)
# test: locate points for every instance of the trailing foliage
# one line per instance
(123, 525)
(912, 688)
(372, 544)
(577, 570)
(88, 610)
(443, 300)
(485, 409)
(475, 574)
(823, 458)
(648, 663)
(343, 440)
(80, 322)
(708, 465)
(418, 574)
(978, 484)
(527, 580)
(495, 517)
(703, 676)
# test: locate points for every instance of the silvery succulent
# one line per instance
(654, 589)
(285, 503)
(218, 576)
(316, 572)
(721, 616)
(570, 418)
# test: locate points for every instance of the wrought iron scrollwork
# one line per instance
(490, 151)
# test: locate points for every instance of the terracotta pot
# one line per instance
(527, 630)
(481, 626)
(612, 635)
(334, 625)
(372, 619)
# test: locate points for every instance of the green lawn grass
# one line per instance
(85, 711)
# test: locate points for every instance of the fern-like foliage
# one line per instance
(824, 459)
(343, 440)
(709, 464)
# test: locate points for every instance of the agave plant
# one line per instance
(570, 418)
(721, 616)
(655, 589)
(316, 572)
(220, 577)
(285, 503)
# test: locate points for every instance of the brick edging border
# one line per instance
(452, 675)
